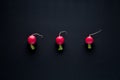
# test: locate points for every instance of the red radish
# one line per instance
(60, 40)
(89, 39)
(32, 40)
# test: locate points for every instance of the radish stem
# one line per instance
(89, 46)
(60, 48)
(32, 47)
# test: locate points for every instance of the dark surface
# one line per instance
(20, 18)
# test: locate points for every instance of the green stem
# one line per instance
(32, 47)
(60, 48)
(89, 46)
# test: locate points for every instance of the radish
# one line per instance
(89, 39)
(60, 40)
(32, 40)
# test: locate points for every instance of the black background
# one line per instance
(20, 18)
